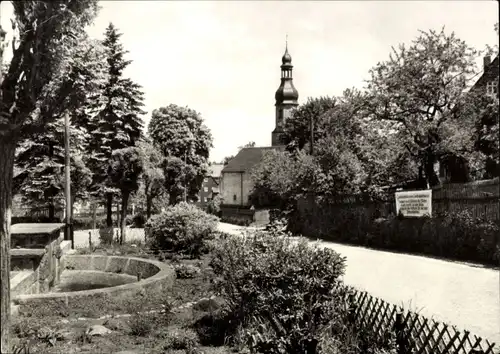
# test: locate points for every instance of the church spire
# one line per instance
(286, 96)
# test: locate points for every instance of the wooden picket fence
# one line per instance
(414, 333)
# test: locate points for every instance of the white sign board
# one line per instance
(414, 203)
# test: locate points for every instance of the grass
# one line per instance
(56, 328)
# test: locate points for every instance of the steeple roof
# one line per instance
(286, 93)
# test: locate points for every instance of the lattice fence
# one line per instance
(414, 333)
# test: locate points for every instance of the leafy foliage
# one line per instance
(179, 133)
(287, 297)
(153, 178)
(281, 178)
(41, 154)
(213, 205)
(181, 228)
(43, 31)
(297, 127)
(486, 137)
(420, 91)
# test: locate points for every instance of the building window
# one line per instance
(205, 180)
(205, 199)
(205, 189)
(492, 88)
(234, 197)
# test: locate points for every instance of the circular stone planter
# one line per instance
(155, 277)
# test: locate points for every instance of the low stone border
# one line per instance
(156, 276)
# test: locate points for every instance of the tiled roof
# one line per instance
(247, 158)
(215, 170)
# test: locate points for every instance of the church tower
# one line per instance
(286, 98)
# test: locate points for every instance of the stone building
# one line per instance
(236, 182)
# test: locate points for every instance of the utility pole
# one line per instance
(185, 187)
(68, 232)
(311, 128)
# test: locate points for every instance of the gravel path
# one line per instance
(460, 294)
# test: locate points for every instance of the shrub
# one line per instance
(187, 271)
(106, 235)
(236, 221)
(215, 327)
(182, 339)
(287, 295)
(213, 206)
(138, 220)
(182, 228)
(140, 324)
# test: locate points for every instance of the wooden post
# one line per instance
(399, 329)
(352, 309)
(185, 169)
(68, 232)
(311, 128)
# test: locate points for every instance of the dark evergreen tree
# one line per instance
(40, 154)
(118, 125)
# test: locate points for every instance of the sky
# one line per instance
(222, 58)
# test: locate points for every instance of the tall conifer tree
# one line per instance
(118, 125)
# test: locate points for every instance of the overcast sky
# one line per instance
(222, 58)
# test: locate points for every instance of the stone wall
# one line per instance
(237, 215)
(36, 261)
(236, 184)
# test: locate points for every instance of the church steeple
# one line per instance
(286, 97)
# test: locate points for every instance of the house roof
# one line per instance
(490, 71)
(215, 170)
(247, 158)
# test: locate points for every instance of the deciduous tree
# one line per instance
(153, 178)
(45, 34)
(185, 141)
(421, 92)
(281, 178)
(298, 128)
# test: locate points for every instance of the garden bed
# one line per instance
(62, 330)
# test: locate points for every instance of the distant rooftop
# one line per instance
(247, 158)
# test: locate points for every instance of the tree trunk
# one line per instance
(430, 175)
(109, 210)
(118, 223)
(52, 210)
(149, 206)
(123, 219)
(7, 150)
(94, 215)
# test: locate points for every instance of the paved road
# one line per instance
(460, 294)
